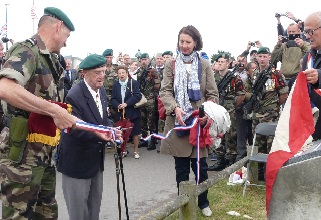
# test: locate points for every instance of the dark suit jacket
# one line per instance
(81, 153)
(131, 98)
(68, 83)
(314, 97)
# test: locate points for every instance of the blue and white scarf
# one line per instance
(186, 87)
(123, 86)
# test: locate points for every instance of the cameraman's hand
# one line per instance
(258, 44)
(279, 43)
(298, 42)
(278, 17)
(290, 15)
(248, 47)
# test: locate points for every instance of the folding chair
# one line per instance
(266, 129)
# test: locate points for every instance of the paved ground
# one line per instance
(150, 181)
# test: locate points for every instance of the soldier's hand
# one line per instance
(179, 116)
(62, 118)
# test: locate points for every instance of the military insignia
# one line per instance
(270, 85)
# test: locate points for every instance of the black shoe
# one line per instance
(219, 165)
(231, 159)
(214, 157)
(151, 146)
(143, 144)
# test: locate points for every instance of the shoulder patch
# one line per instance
(32, 41)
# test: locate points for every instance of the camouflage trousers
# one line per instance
(148, 117)
(264, 143)
(229, 139)
(28, 188)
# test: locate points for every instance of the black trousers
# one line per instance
(182, 167)
(244, 134)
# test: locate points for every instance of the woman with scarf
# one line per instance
(124, 96)
(188, 82)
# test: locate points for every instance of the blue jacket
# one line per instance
(131, 98)
(81, 153)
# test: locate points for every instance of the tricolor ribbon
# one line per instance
(99, 128)
(162, 137)
(194, 123)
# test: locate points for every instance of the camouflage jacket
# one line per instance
(149, 82)
(160, 72)
(32, 66)
(234, 88)
(110, 78)
(274, 86)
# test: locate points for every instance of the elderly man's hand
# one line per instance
(312, 76)
(109, 136)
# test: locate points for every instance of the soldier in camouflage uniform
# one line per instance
(274, 94)
(244, 126)
(28, 176)
(159, 66)
(110, 78)
(231, 97)
(149, 81)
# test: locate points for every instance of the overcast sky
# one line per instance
(152, 26)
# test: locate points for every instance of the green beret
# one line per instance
(92, 61)
(168, 53)
(263, 50)
(108, 52)
(144, 55)
(222, 55)
(58, 14)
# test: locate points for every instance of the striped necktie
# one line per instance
(97, 100)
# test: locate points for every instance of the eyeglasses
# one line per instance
(310, 32)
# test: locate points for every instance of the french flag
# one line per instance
(294, 128)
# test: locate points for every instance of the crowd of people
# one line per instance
(38, 85)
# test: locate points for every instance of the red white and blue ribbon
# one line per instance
(99, 128)
(194, 123)
(198, 153)
(162, 137)
(309, 61)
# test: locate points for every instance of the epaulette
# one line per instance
(32, 41)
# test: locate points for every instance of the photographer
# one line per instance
(290, 52)
(246, 52)
(280, 28)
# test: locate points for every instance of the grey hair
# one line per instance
(318, 16)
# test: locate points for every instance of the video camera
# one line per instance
(291, 37)
(5, 39)
(277, 15)
(253, 44)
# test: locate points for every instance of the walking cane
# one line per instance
(119, 169)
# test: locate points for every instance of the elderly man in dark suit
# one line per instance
(81, 153)
(70, 75)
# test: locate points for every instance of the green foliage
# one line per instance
(224, 198)
(214, 56)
